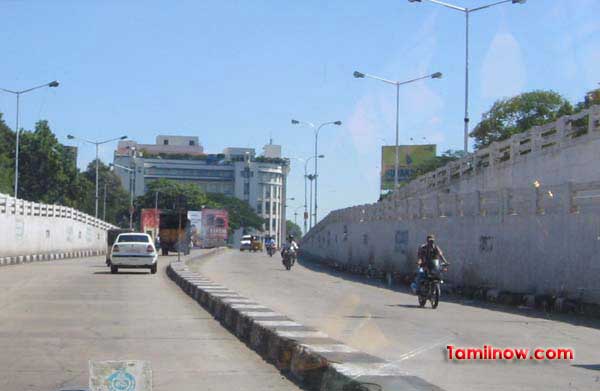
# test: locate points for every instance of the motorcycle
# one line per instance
(289, 258)
(431, 286)
(270, 250)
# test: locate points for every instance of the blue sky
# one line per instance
(236, 72)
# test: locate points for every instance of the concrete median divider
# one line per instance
(305, 354)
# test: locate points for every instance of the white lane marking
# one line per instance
(333, 348)
(421, 349)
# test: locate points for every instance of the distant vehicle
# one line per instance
(111, 236)
(246, 243)
(174, 232)
(133, 250)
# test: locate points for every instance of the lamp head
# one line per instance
(295, 122)
(338, 123)
(53, 84)
(358, 75)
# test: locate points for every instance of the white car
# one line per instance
(246, 243)
(133, 250)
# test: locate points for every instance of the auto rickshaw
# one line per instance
(256, 244)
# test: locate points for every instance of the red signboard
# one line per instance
(150, 220)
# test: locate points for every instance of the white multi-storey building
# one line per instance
(238, 172)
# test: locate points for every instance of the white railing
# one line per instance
(563, 132)
(569, 198)
(10, 205)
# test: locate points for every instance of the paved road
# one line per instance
(55, 316)
(388, 324)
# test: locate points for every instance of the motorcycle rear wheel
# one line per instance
(422, 301)
(435, 296)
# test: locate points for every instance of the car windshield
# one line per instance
(384, 188)
(133, 239)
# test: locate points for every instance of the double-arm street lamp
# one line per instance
(131, 171)
(305, 161)
(18, 94)
(97, 144)
(316, 174)
(467, 12)
(360, 75)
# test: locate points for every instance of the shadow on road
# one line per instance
(129, 272)
(574, 319)
(592, 367)
(403, 305)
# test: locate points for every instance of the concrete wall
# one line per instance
(542, 236)
(29, 228)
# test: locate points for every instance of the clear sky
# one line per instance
(236, 72)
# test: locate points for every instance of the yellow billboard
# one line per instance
(409, 156)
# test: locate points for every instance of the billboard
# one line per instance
(215, 223)
(195, 218)
(409, 156)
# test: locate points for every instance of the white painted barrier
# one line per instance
(29, 230)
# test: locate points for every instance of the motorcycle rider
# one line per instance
(291, 246)
(427, 252)
(270, 242)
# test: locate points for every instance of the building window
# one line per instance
(345, 234)
(192, 143)
(165, 142)
(365, 239)
(268, 207)
(246, 188)
(259, 208)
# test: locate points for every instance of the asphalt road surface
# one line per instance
(389, 324)
(55, 316)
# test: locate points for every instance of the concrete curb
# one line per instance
(305, 354)
(19, 259)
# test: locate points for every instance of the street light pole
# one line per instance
(104, 204)
(17, 133)
(316, 173)
(360, 75)
(97, 144)
(467, 12)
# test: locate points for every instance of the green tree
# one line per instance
(293, 229)
(117, 199)
(241, 214)
(7, 162)
(519, 114)
(47, 172)
(189, 196)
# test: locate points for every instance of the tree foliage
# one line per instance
(173, 195)
(117, 198)
(519, 114)
(293, 229)
(48, 173)
(7, 161)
